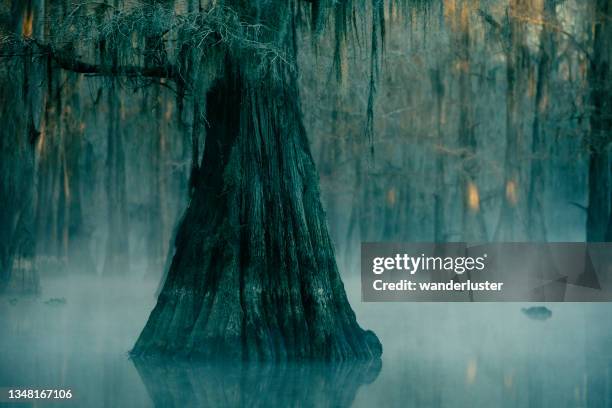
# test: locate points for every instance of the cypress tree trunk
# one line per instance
(599, 221)
(18, 273)
(472, 221)
(116, 261)
(18, 135)
(510, 225)
(598, 194)
(48, 174)
(75, 239)
(254, 275)
(155, 237)
(353, 227)
(438, 87)
(117, 255)
(536, 224)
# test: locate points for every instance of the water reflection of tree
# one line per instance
(255, 385)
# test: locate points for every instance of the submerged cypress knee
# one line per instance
(254, 275)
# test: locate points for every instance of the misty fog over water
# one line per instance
(77, 335)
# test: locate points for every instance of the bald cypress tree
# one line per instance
(254, 274)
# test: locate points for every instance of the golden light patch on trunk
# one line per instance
(473, 197)
(511, 192)
(168, 112)
(470, 371)
(27, 28)
(391, 197)
(41, 140)
(450, 8)
(543, 105)
(465, 17)
(66, 181)
(531, 88)
(462, 66)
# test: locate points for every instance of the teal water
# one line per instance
(435, 355)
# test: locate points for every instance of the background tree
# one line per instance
(18, 138)
(600, 121)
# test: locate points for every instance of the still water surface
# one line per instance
(435, 355)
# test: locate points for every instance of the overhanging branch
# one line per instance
(74, 64)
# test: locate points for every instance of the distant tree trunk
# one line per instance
(75, 237)
(390, 213)
(536, 225)
(369, 205)
(254, 275)
(155, 236)
(599, 219)
(157, 239)
(18, 135)
(48, 174)
(510, 225)
(116, 260)
(355, 214)
(440, 226)
(598, 194)
(473, 227)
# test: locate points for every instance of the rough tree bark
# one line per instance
(254, 275)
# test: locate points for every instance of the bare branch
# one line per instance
(71, 63)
